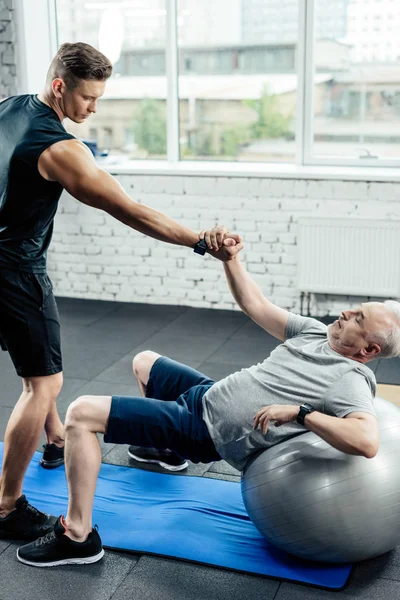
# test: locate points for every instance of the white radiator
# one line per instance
(349, 256)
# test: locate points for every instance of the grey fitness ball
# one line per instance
(320, 504)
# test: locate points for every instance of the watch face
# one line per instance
(200, 247)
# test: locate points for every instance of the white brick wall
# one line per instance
(8, 79)
(94, 256)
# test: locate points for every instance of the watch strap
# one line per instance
(305, 409)
(200, 247)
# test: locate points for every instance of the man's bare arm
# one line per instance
(357, 433)
(252, 301)
(72, 164)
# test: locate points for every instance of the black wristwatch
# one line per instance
(305, 409)
(200, 247)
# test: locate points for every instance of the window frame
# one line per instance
(36, 44)
(33, 60)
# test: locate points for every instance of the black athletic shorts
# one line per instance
(29, 323)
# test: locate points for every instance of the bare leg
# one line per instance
(23, 433)
(86, 416)
(54, 428)
(141, 365)
(171, 460)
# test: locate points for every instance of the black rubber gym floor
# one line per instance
(99, 342)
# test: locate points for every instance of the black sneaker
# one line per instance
(55, 549)
(53, 456)
(165, 458)
(25, 522)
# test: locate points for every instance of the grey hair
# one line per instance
(389, 339)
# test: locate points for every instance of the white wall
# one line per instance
(94, 256)
(8, 79)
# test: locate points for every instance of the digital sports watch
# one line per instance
(305, 409)
(200, 247)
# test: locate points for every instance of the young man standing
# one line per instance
(38, 160)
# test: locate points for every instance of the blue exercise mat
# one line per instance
(190, 518)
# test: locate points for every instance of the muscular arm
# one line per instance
(252, 301)
(72, 164)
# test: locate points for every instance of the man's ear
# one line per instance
(58, 86)
(371, 351)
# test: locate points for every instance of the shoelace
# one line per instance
(46, 539)
(33, 513)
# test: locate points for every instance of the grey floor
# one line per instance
(99, 341)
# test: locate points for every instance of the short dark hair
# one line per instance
(79, 61)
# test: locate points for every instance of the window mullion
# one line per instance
(53, 29)
(172, 83)
(308, 100)
(36, 44)
(301, 82)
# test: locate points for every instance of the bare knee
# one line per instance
(55, 385)
(88, 412)
(47, 388)
(142, 364)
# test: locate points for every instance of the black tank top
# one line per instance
(28, 202)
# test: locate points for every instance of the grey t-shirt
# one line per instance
(302, 369)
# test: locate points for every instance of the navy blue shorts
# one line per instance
(171, 415)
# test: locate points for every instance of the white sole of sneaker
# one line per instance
(162, 464)
(67, 561)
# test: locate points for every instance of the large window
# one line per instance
(356, 92)
(237, 79)
(130, 122)
(295, 81)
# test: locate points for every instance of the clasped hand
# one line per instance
(277, 413)
(221, 243)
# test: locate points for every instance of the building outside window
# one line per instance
(241, 78)
(134, 32)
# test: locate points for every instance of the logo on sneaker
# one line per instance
(56, 548)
